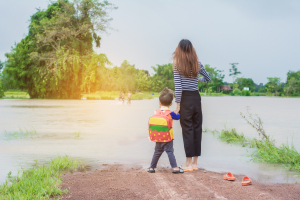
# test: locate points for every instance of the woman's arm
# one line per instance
(202, 71)
(178, 89)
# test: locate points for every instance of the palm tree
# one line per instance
(233, 72)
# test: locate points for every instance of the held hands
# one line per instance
(177, 109)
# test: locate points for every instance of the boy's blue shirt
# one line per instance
(173, 115)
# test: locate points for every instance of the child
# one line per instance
(123, 97)
(129, 97)
(165, 101)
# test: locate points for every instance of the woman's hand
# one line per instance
(177, 109)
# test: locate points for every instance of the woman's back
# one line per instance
(183, 83)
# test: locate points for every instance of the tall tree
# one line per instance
(54, 59)
(292, 86)
(165, 74)
(233, 72)
(245, 82)
(216, 77)
(273, 85)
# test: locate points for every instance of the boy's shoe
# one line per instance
(150, 170)
(178, 171)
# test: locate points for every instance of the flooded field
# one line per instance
(108, 132)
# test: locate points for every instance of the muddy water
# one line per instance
(108, 132)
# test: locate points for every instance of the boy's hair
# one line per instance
(166, 97)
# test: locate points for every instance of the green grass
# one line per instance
(40, 182)
(105, 95)
(266, 150)
(232, 137)
(22, 133)
(16, 94)
(285, 154)
(213, 94)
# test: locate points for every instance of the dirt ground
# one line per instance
(127, 182)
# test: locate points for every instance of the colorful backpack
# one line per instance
(160, 126)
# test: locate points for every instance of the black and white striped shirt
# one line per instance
(188, 84)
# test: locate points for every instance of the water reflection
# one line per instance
(108, 132)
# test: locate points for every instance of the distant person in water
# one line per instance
(129, 97)
(161, 131)
(122, 97)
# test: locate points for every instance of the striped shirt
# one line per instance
(188, 84)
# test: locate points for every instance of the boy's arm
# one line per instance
(175, 116)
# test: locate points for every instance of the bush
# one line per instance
(246, 93)
(255, 94)
(262, 90)
(237, 92)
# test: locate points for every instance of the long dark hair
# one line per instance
(185, 59)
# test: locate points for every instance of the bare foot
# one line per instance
(194, 166)
(186, 166)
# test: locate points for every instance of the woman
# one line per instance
(186, 71)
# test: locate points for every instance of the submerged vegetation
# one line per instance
(266, 150)
(22, 133)
(232, 137)
(40, 182)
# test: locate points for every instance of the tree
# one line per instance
(126, 76)
(216, 77)
(1, 66)
(233, 72)
(56, 58)
(165, 74)
(245, 82)
(273, 85)
(1, 87)
(292, 86)
(143, 81)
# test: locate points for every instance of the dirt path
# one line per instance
(127, 182)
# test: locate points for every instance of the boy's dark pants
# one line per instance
(160, 147)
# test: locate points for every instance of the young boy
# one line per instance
(129, 97)
(165, 101)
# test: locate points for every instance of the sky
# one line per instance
(263, 36)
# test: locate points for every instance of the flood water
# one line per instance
(108, 132)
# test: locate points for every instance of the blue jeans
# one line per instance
(160, 147)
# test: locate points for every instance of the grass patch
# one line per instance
(213, 94)
(266, 150)
(105, 95)
(40, 182)
(16, 94)
(232, 137)
(38, 106)
(22, 133)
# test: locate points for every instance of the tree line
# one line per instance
(56, 60)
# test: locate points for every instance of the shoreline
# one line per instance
(126, 181)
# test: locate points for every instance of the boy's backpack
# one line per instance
(160, 126)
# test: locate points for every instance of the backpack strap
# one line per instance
(166, 112)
